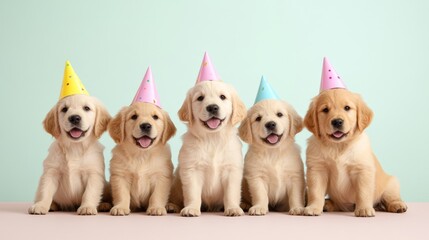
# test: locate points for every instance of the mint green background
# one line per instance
(380, 48)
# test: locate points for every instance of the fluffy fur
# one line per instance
(73, 172)
(210, 166)
(141, 171)
(340, 161)
(273, 168)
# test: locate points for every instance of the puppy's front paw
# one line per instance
(87, 210)
(364, 212)
(233, 212)
(156, 211)
(258, 211)
(119, 211)
(38, 209)
(296, 211)
(312, 211)
(397, 207)
(172, 208)
(190, 212)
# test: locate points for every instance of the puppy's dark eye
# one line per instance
(155, 117)
(325, 110)
(200, 98)
(347, 108)
(279, 114)
(258, 119)
(64, 109)
(134, 117)
(86, 108)
(222, 97)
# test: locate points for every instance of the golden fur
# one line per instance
(141, 173)
(73, 172)
(273, 168)
(210, 166)
(341, 163)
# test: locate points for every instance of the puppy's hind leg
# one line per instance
(391, 197)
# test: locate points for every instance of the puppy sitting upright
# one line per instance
(273, 169)
(210, 160)
(340, 161)
(73, 173)
(141, 170)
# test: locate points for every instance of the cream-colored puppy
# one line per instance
(273, 168)
(141, 171)
(340, 161)
(210, 166)
(73, 173)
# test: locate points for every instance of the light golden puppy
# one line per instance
(141, 171)
(210, 166)
(340, 161)
(73, 172)
(273, 168)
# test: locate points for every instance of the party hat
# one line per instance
(265, 91)
(71, 83)
(147, 91)
(207, 70)
(330, 78)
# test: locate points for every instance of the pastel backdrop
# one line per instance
(379, 48)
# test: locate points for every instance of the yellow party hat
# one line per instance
(71, 83)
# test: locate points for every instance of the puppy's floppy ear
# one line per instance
(364, 114)
(102, 119)
(51, 123)
(295, 121)
(310, 120)
(169, 128)
(116, 126)
(245, 130)
(185, 112)
(238, 108)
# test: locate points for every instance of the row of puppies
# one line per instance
(210, 172)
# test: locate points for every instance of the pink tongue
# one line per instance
(338, 134)
(213, 123)
(145, 142)
(76, 133)
(273, 138)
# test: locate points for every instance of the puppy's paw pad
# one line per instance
(190, 212)
(38, 209)
(156, 211)
(233, 212)
(312, 211)
(258, 211)
(397, 207)
(87, 210)
(104, 207)
(364, 212)
(296, 211)
(172, 208)
(119, 211)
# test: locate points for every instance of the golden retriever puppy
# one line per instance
(273, 168)
(340, 161)
(210, 166)
(73, 172)
(141, 171)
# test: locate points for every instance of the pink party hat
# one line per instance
(330, 78)
(207, 70)
(147, 91)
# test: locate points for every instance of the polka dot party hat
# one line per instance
(71, 83)
(330, 78)
(265, 91)
(207, 71)
(147, 91)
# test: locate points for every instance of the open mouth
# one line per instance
(76, 133)
(213, 123)
(144, 142)
(272, 139)
(338, 135)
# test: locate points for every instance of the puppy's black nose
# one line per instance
(212, 108)
(270, 125)
(74, 119)
(145, 127)
(337, 123)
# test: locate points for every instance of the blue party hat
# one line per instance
(265, 91)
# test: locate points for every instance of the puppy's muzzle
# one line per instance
(270, 126)
(145, 127)
(337, 123)
(213, 109)
(75, 119)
